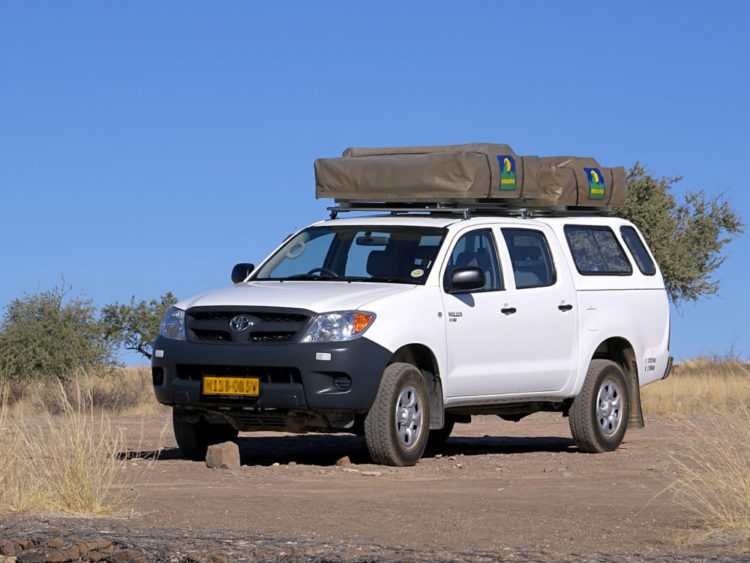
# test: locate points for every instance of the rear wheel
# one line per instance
(397, 425)
(599, 414)
(193, 438)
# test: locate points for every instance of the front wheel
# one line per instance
(397, 425)
(193, 438)
(599, 414)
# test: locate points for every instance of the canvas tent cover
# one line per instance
(476, 172)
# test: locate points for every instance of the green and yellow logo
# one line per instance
(507, 172)
(596, 183)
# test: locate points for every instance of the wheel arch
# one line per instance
(622, 352)
(422, 357)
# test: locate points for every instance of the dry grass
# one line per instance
(699, 386)
(72, 462)
(124, 391)
(714, 474)
(709, 399)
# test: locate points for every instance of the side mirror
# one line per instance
(241, 271)
(466, 279)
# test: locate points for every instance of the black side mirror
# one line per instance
(466, 279)
(241, 271)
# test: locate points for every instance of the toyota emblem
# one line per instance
(240, 323)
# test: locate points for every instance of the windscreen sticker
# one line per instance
(507, 172)
(417, 273)
(596, 183)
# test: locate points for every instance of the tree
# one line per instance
(49, 335)
(136, 325)
(687, 239)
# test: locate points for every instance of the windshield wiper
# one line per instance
(297, 277)
(385, 279)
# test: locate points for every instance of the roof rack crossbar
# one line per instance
(466, 210)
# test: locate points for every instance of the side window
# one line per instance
(477, 248)
(596, 251)
(531, 258)
(638, 250)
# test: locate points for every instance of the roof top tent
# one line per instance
(478, 175)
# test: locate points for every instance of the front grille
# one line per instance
(266, 374)
(271, 336)
(212, 335)
(262, 325)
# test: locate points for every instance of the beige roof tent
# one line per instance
(481, 173)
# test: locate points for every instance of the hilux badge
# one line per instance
(240, 323)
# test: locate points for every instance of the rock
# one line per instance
(56, 543)
(57, 557)
(344, 461)
(223, 456)
(9, 548)
(125, 555)
(98, 544)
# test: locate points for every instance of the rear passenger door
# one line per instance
(539, 305)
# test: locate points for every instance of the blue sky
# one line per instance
(146, 147)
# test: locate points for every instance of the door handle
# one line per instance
(508, 310)
(565, 308)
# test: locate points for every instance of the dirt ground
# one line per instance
(496, 490)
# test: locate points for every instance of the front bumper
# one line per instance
(341, 376)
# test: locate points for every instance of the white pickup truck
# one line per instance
(398, 325)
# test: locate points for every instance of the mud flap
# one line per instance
(635, 417)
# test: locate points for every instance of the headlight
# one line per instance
(173, 324)
(337, 327)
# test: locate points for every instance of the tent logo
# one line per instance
(507, 172)
(596, 183)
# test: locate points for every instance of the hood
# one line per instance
(316, 296)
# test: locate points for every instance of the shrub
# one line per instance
(48, 335)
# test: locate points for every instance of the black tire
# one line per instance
(397, 425)
(437, 437)
(599, 414)
(193, 438)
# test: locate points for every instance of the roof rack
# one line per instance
(466, 209)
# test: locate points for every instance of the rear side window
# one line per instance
(638, 250)
(531, 259)
(596, 251)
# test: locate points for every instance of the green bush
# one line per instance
(687, 238)
(136, 325)
(49, 335)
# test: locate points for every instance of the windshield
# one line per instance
(356, 253)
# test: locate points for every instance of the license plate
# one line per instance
(242, 386)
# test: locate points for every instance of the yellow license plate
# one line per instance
(244, 386)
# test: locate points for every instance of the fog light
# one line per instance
(342, 383)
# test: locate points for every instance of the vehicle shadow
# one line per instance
(503, 445)
(327, 449)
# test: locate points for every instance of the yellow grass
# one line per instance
(699, 386)
(713, 471)
(124, 391)
(710, 399)
(66, 463)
